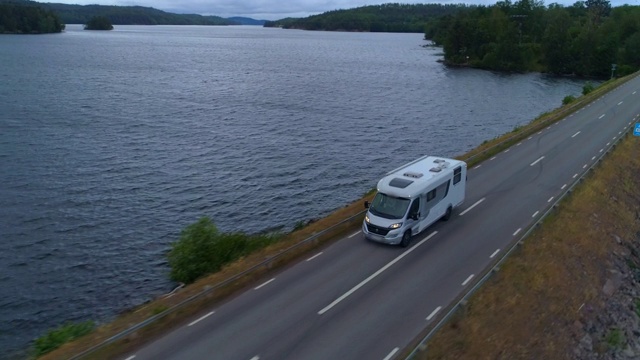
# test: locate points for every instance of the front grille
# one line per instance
(377, 230)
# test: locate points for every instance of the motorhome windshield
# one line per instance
(388, 206)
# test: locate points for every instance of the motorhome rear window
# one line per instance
(400, 183)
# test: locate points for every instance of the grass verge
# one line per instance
(157, 306)
(530, 308)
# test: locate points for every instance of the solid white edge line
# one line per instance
(354, 234)
(576, 134)
(468, 279)
(551, 198)
(363, 282)
(563, 186)
(433, 313)
(130, 357)
(601, 116)
(537, 161)
(517, 231)
(494, 254)
(200, 319)
(263, 284)
(314, 256)
(390, 356)
(472, 206)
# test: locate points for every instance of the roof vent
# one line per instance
(435, 169)
(438, 161)
(400, 183)
(414, 175)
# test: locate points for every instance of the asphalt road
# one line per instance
(361, 300)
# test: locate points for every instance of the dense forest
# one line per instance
(17, 19)
(124, 15)
(374, 18)
(583, 39)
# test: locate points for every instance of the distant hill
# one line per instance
(247, 21)
(374, 18)
(124, 15)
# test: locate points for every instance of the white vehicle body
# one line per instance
(414, 196)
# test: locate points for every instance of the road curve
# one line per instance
(361, 300)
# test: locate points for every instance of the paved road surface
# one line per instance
(362, 300)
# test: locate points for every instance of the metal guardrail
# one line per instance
(462, 300)
(264, 264)
(267, 262)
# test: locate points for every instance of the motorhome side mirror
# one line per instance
(366, 204)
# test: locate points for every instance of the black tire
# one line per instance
(447, 215)
(406, 239)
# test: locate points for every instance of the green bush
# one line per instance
(587, 88)
(568, 99)
(202, 250)
(57, 337)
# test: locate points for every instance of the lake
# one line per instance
(112, 142)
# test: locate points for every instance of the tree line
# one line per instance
(122, 15)
(584, 39)
(375, 18)
(17, 19)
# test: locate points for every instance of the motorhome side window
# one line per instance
(415, 207)
(431, 195)
(457, 175)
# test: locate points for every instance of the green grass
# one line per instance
(615, 338)
(57, 337)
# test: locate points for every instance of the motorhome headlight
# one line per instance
(366, 219)
(395, 226)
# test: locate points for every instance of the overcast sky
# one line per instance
(276, 9)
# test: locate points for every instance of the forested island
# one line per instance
(17, 19)
(98, 23)
(585, 39)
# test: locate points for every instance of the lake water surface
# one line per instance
(112, 142)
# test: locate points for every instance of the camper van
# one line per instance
(414, 196)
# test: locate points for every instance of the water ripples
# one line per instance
(110, 144)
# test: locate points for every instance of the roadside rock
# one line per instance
(611, 328)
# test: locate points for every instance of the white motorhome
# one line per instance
(414, 196)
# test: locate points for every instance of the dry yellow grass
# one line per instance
(528, 310)
(137, 315)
